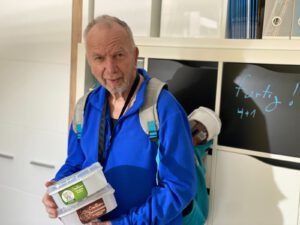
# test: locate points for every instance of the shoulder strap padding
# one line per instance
(79, 112)
(148, 111)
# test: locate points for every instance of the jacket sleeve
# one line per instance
(74, 158)
(177, 178)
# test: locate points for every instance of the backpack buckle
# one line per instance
(152, 131)
(79, 130)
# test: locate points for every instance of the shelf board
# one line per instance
(221, 50)
(216, 43)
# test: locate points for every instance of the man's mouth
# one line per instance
(113, 81)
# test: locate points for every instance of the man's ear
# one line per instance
(136, 53)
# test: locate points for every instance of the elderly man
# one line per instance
(128, 157)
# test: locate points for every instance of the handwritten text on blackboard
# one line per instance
(266, 93)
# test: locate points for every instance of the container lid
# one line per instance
(107, 190)
(74, 178)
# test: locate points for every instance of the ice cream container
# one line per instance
(78, 186)
(90, 208)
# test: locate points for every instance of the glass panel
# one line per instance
(137, 14)
(191, 18)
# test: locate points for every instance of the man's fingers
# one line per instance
(49, 203)
(51, 212)
(49, 183)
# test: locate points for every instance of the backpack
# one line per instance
(148, 112)
(150, 124)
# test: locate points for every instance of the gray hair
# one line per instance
(109, 20)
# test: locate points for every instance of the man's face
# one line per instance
(112, 57)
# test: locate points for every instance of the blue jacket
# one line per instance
(130, 166)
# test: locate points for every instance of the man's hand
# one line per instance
(49, 203)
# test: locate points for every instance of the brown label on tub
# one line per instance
(91, 211)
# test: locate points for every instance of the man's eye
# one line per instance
(98, 58)
(120, 55)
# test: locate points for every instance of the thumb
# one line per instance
(49, 183)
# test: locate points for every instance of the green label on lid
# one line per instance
(73, 193)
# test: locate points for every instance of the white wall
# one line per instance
(35, 42)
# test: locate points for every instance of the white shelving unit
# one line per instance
(232, 198)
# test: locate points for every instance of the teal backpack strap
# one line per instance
(148, 112)
(79, 114)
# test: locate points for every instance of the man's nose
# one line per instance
(111, 65)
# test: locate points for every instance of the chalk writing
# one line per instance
(245, 113)
(294, 93)
(270, 99)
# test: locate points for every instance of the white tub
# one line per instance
(78, 186)
(90, 208)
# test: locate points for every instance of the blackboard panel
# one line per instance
(193, 83)
(260, 108)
